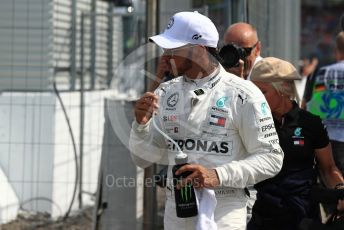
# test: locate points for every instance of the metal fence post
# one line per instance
(93, 45)
(82, 112)
(73, 48)
(110, 44)
(149, 195)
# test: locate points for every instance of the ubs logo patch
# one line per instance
(170, 118)
(173, 100)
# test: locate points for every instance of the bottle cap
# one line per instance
(181, 158)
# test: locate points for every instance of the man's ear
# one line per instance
(257, 50)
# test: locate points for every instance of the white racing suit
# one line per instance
(222, 122)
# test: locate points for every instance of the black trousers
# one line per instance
(281, 222)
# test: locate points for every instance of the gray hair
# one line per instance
(287, 88)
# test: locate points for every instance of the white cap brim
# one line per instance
(167, 42)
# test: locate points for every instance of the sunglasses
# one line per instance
(248, 50)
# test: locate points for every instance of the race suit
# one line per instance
(222, 122)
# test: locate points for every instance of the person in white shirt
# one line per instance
(325, 97)
(222, 122)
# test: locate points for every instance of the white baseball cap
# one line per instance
(187, 28)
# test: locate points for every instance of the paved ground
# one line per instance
(42, 221)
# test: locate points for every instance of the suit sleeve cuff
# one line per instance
(223, 175)
(141, 128)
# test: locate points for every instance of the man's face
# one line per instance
(181, 60)
(249, 41)
(250, 59)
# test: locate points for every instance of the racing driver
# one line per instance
(222, 122)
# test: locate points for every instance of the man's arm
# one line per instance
(146, 144)
(162, 69)
(308, 90)
(264, 155)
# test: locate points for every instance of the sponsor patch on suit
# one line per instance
(217, 120)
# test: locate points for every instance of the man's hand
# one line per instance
(340, 206)
(239, 71)
(163, 68)
(201, 177)
(145, 107)
(309, 66)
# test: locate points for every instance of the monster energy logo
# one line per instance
(186, 192)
